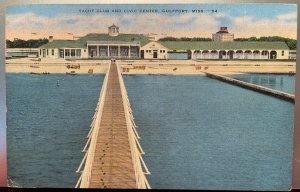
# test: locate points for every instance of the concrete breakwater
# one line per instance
(279, 94)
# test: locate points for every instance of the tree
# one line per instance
(168, 39)
(185, 39)
(291, 43)
(20, 43)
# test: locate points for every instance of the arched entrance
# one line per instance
(222, 54)
(214, 54)
(256, 54)
(230, 54)
(205, 54)
(265, 54)
(248, 54)
(197, 54)
(273, 55)
(239, 54)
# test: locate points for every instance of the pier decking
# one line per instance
(113, 165)
(113, 153)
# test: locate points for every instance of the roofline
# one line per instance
(228, 43)
(114, 42)
(155, 42)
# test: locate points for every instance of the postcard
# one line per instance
(151, 96)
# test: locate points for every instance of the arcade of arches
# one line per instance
(235, 54)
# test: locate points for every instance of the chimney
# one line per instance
(50, 38)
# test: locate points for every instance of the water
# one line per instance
(284, 83)
(181, 56)
(201, 133)
(47, 126)
(197, 132)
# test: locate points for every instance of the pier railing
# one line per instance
(140, 167)
(90, 147)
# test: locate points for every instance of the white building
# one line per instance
(96, 46)
(223, 35)
(21, 52)
(154, 50)
(136, 46)
(292, 54)
(227, 50)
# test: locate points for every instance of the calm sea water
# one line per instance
(47, 126)
(201, 133)
(197, 132)
(284, 83)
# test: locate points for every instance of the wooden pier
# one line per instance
(275, 93)
(113, 154)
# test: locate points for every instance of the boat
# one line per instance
(35, 73)
(71, 73)
(34, 66)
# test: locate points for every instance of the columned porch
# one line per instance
(116, 50)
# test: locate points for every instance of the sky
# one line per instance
(177, 20)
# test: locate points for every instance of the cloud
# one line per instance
(181, 25)
(288, 17)
(281, 25)
(188, 25)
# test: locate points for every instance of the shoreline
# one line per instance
(165, 67)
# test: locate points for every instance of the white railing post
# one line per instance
(84, 179)
(136, 149)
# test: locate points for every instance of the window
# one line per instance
(40, 52)
(78, 53)
(47, 52)
(85, 50)
(52, 51)
(160, 51)
(67, 52)
(61, 53)
(282, 53)
(72, 52)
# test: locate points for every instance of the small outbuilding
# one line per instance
(154, 50)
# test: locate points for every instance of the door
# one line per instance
(154, 54)
(231, 55)
(142, 54)
(273, 55)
